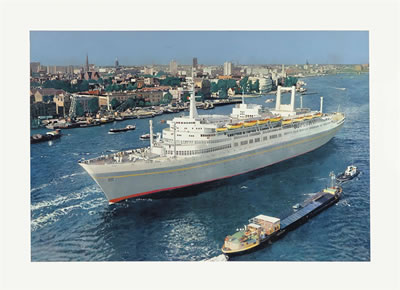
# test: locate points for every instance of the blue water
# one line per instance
(72, 221)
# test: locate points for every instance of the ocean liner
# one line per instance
(195, 149)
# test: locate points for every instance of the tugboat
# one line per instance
(262, 229)
(146, 136)
(349, 174)
(117, 130)
(52, 135)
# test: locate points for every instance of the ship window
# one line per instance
(251, 141)
(265, 138)
(273, 136)
(243, 142)
(257, 140)
(236, 144)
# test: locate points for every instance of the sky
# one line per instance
(210, 47)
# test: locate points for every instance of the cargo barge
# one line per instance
(263, 230)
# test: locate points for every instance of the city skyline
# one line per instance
(160, 47)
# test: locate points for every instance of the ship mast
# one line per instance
(193, 111)
(243, 95)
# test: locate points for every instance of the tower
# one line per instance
(116, 62)
(87, 63)
(195, 62)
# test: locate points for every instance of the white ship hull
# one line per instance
(123, 181)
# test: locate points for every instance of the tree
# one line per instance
(129, 87)
(141, 103)
(109, 88)
(243, 84)
(205, 89)
(93, 105)
(170, 81)
(222, 94)
(256, 86)
(47, 99)
(167, 98)
(117, 87)
(290, 81)
(115, 103)
(83, 86)
(249, 86)
(214, 87)
(79, 109)
(231, 83)
(186, 97)
(222, 85)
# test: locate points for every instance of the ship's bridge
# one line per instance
(246, 111)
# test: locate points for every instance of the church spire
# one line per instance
(87, 63)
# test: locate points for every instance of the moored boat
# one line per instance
(52, 135)
(117, 130)
(146, 136)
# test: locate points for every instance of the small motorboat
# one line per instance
(349, 174)
(147, 136)
(118, 130)
(49, 136)
(269, 100)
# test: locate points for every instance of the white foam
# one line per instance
(54, 216)
(63, 199)
(220, 258)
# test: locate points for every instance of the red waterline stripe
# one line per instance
(187, 185)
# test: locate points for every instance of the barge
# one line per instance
(118, 130)
(263, 230)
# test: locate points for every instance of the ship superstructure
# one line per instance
(201, 148)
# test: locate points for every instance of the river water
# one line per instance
(71, 219)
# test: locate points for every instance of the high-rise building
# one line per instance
(195, 62)
(116, 63)
(173, 67)
(87, 63)
(227, 68)
(35, 67)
